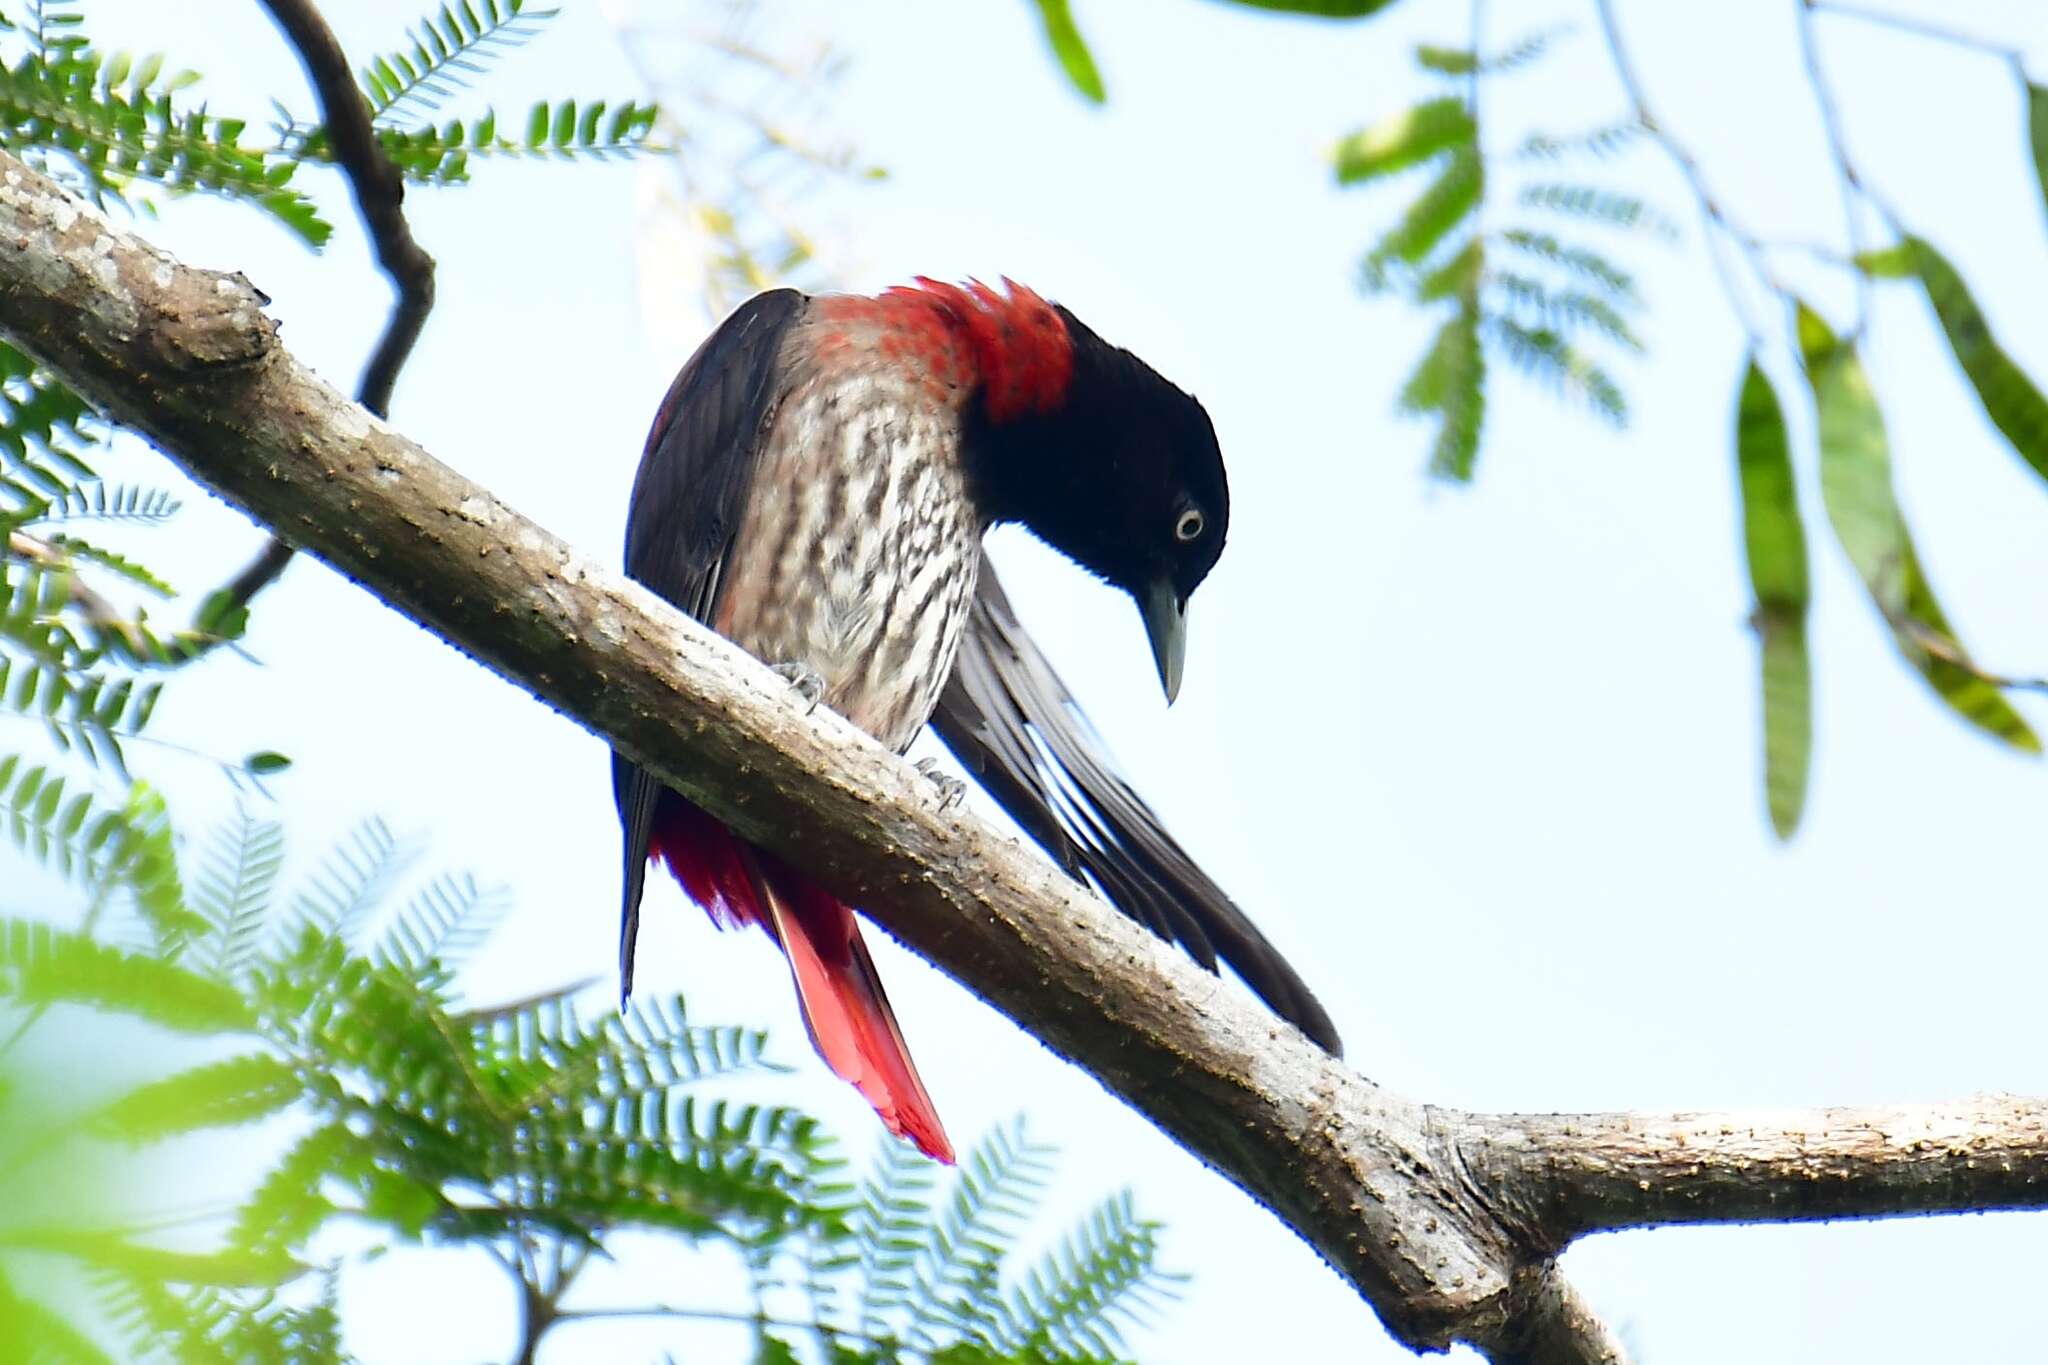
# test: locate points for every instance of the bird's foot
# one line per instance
(951, 789)
(807, 682)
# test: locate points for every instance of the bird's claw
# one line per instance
(807, 682)
(951, 789)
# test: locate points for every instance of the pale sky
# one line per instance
(1482, 761)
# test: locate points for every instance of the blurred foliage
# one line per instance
(746, 102)
(1526, 287)
(1513, 259)
(524, 1130)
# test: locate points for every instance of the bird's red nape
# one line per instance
(1009, 343)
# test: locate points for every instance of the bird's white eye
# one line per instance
(1189, 526)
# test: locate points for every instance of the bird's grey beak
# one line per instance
(1166, 622)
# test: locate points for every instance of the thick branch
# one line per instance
(189, 359)
(1603, 1172)
(1446, 1222)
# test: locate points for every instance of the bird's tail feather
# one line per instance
(844, 1008)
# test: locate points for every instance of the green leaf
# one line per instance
(33, 1331)
(265, 762)
(1325, 9)
(1624, 211)
(1463, 61)
(1071, 49)
(1588, 265)
(1788, 719)
(1436, 212)
(43, 965)
(1895, 262)
(220, 1094)
(1450, 382)
(2037, 130)
(1544, 354)
(1775, 541)
(1772, 533)
(231, 892)
(125, 1257)
(2012, 402)
(1402, 140)
(1856, 488)
(448, 51)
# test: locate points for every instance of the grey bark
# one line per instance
(1446, 1222)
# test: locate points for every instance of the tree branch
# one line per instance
(379, 192)
(1847, 179)
(1447, 1223)
(1606, 1172)
(1712, 215)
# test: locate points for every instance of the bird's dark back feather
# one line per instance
(1012, 723)
(687, 499)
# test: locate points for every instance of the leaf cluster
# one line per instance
(1521, 288)
(1860, 500)
(529, 1131)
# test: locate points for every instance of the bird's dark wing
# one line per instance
(1010, 720)
(687, 501)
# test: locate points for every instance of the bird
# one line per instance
(815, 487)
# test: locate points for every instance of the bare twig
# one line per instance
(1946, 648)
(379, 192)
(1447, 1223)
(1847, 179)
(91, 604)
(1717, 227)
(1921, 28)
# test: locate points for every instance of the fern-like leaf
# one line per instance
(1433, 216)
(352, 881)
(1102, 1276)
(1545, 355)
(40, 416)
(959, 1272)
(443, 923)
(95, 500)
(233, 892)
(1407, 139)
(1607, 207)
(1607, 140)
(43, 965)
(216, 1095)
(894, 1207)
(115, 122)
(447, 50)
(1583, 262)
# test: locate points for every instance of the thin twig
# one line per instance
(1714, 220)
(1849, 182)
(1905, 23)
(91, 604)
(1945, 648)
(379, 191)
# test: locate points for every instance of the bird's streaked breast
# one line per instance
(858, 550)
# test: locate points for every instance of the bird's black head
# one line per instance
(1123, 475)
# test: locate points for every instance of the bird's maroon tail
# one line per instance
(848, 1016)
